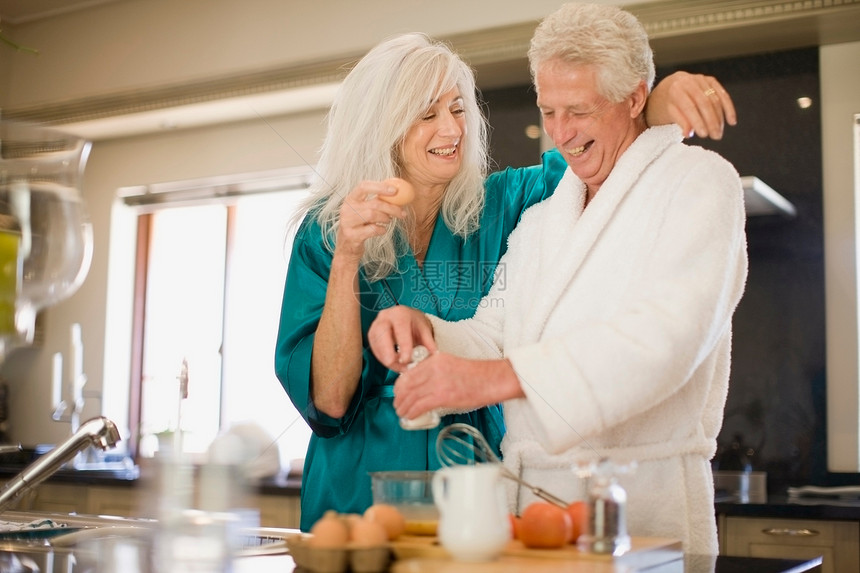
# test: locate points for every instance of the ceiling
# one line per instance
(272, 103)
(680, 31)
(23, 11)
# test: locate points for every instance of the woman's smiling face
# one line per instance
(430, 154)
(589, 130)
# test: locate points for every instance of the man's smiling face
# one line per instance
(589, 130)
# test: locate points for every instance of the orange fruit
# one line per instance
(515, 526)
(578, 512)
(544, 525)
(405, 192)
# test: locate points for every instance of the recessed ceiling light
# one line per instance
(804, 102)
(533, 131)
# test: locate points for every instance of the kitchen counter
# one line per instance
(277, 498)
(281, 484)
(424, 555)
(783, 507)
(290, 485)
(775, 506)
(726, 564)
(417, 555)
(690, 564)
(696, 564)
(284, 484)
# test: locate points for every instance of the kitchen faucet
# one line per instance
(99, 432)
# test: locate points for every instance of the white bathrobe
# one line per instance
(617, 320)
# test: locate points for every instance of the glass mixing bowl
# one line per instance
(411, 492)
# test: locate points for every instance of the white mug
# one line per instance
(473, 515)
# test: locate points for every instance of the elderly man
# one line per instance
(608, 330)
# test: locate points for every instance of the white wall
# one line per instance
(122, 45)
(840, 100)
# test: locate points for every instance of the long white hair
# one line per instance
(391, 88)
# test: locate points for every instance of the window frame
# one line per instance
(141, 202)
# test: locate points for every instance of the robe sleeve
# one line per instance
(518, 189)
(602, 372)
(479, 337)
(301, 308)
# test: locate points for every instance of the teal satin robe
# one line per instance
(457, 273)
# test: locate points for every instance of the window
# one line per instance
(210, 266)
(183, 322)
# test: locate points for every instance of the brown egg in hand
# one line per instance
(405, 192)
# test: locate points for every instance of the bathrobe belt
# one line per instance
(381, 391)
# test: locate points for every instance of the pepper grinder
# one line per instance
(428, 420)
(607, 502)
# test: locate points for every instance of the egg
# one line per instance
(328, 532)
(389, 517)
(405, 192)
(368, 533)
(349, 519)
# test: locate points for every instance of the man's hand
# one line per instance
(444, 381)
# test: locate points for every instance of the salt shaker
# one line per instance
(607, 500)
(429, 419)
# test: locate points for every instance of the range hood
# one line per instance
(761, 199)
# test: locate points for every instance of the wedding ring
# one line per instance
(709, 92)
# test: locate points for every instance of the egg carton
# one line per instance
(340, 559)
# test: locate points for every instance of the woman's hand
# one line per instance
(363, 215)
(395, 332)
(696, 102)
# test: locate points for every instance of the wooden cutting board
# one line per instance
(420, 554)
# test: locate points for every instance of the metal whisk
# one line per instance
(460, 444)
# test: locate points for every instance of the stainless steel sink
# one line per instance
(49, 543)
(27, 549)
(95, 543)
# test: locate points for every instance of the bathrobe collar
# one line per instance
(570, 231)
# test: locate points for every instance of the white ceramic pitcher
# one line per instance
(473, 515)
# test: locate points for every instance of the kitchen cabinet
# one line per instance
(121, 501)
(59, 498)
(278, 510)
(82, 499)
(838, 542)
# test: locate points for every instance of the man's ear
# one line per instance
(638, 99)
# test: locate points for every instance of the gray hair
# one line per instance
(595, 34)
(391, 88)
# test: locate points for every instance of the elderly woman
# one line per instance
(407, 109)
(613, 322)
